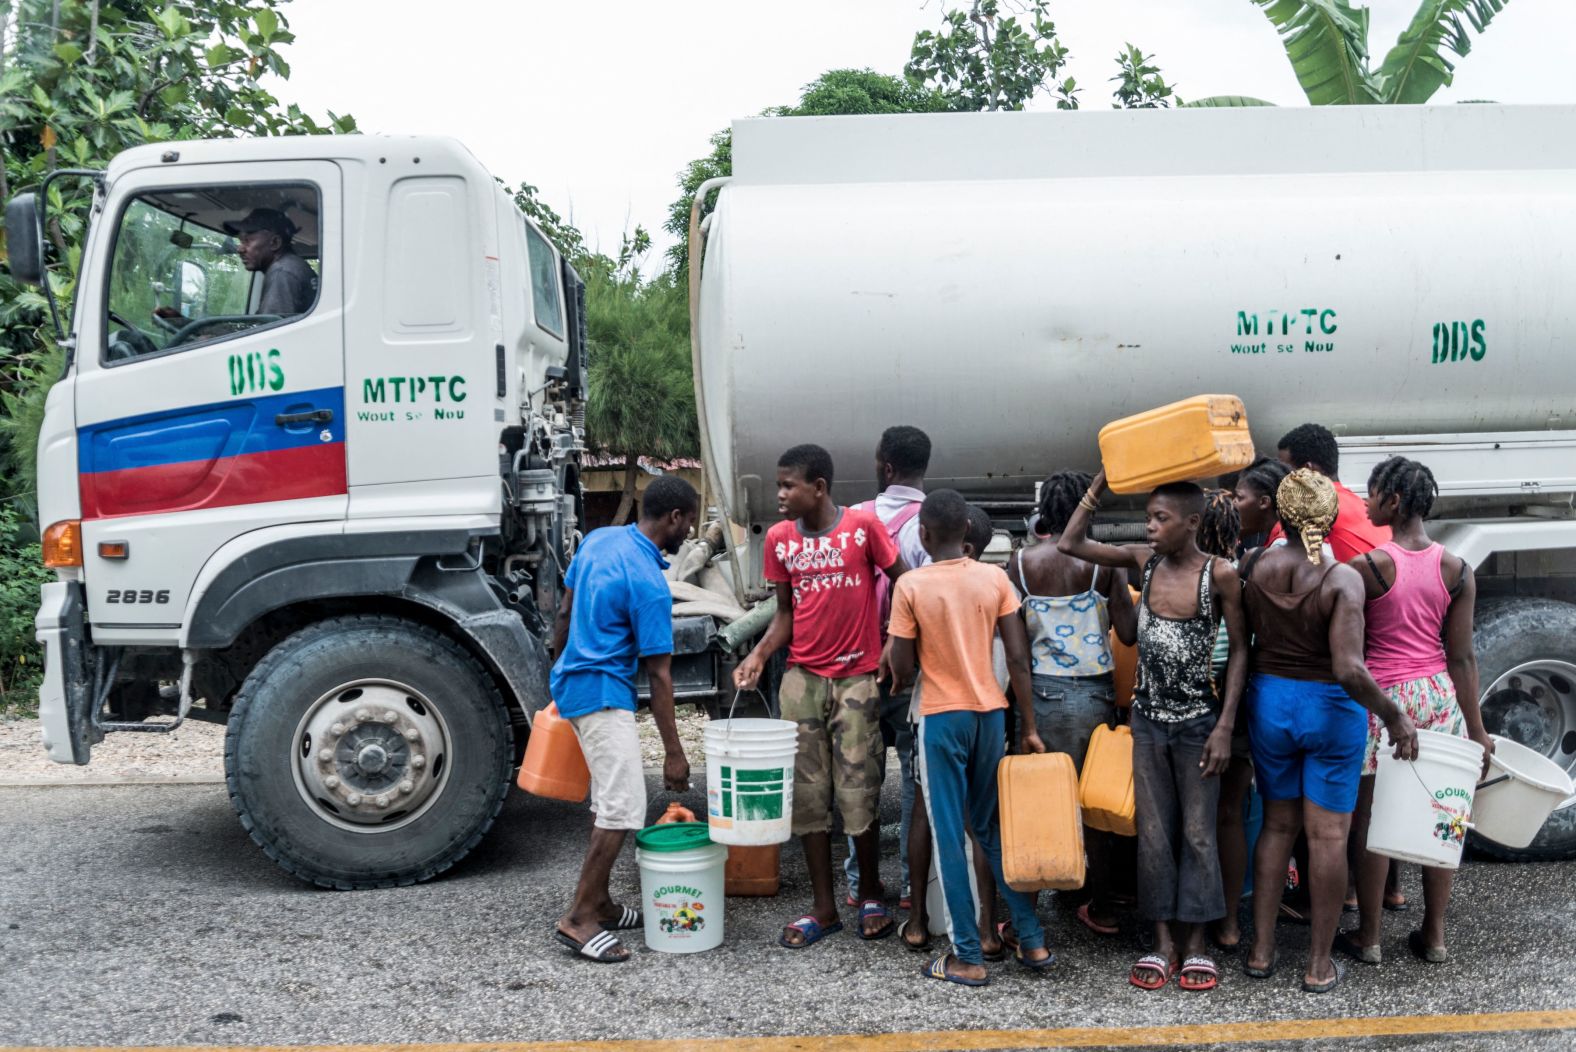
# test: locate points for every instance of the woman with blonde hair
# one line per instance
(1306, 720)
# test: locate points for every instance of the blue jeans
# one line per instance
(896, 732)
(1067, 709)
(959, 754)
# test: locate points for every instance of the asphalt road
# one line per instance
(144, 915)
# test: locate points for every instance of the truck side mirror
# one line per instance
(24, 238)
(191, 289)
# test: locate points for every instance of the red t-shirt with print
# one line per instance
(836, 617)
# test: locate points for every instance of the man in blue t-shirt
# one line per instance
(617, 610)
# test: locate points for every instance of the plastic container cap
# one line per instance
(674, 836)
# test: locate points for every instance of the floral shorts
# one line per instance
(1430, 701)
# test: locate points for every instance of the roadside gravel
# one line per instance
(195, 753)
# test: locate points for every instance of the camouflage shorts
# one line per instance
(840, 749)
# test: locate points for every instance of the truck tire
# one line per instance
(1526, 651)
(367, 752)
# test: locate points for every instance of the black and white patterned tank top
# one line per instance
(1176, 680)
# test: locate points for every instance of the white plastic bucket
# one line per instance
(682, 884)
(1523, 788)
(749, 780)
(937, 917)
(1423, 808)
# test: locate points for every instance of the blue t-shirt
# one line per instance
(623, 611)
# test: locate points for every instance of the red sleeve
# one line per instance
(1276, 533)
(772, 567)
(883, 550)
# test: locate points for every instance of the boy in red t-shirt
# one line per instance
(824, 561)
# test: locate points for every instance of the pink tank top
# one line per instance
(1405, 625)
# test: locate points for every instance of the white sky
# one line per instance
(600, 103)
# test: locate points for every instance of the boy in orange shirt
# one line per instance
(945, 617)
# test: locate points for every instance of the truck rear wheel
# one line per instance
(1526, 651)
(367, 752)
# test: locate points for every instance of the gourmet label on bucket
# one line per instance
(1451, 822)
(680, 911)
(747, 795)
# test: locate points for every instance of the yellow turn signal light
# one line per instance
(63, 544)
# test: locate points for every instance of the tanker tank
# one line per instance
(1009, 282)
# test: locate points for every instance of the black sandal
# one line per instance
(602, 947)
(917, 947)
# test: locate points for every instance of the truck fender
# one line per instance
(431, 568)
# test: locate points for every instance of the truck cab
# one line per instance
(313, 471)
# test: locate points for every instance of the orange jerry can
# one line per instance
(1124, 665)
(1105, 789)
(1041, 828)
(752, 871)
(554, 766)
(1198, 437)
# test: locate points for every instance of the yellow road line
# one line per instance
(979, 1040)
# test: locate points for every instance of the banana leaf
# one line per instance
(1327, 42)
(1417, 67)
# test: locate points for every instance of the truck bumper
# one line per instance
(65, 699)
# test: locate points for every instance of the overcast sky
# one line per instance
(600, 102)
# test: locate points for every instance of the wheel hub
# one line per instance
(370, 754)
(1534, 704)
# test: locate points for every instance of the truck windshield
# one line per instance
(194, 266)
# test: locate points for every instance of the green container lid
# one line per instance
(674, 836)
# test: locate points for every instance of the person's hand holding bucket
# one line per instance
(1403, 734)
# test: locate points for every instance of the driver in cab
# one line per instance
(264, 244)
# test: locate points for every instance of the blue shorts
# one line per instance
(1308, 740)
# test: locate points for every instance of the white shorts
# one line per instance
(618, 778)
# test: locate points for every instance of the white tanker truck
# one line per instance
(1011, 282)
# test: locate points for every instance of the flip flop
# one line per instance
(917, 947)
(1151, 964)
(812, 931)
(874, 908)
(629, 919)
(1198, 965)
(1093, 925)
(1329, 984)
(1397, 907)
(1369, 955)
(1034, 966)
(1416, 942)
(1260, 973)
(602, 947)
(1009, 938)
(937, 969)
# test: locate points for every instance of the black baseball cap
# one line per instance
(270, 219)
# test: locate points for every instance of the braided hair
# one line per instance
(1059, 496)
(1307, 504)
(1219, 528)
(1409, 480)
(1264, 477)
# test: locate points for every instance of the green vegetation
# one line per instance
(21, 574)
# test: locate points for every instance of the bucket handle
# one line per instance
(734, 703)
(1433, 802)
(1494, 781)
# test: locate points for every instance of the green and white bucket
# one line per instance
(682, 883)
(749, 780)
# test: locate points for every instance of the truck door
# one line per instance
(210, 387)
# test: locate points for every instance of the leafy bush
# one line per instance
(21, 658)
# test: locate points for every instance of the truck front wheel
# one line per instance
(1526, 651)
(367, 752)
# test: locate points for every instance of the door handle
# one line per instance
(315, 416)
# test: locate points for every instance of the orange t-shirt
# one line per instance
(950, 610)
